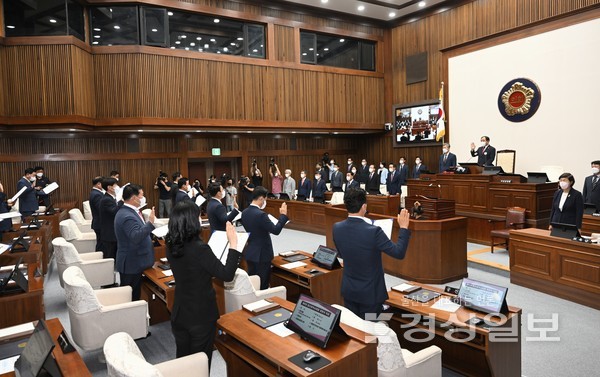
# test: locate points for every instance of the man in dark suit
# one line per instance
(108, 209)
(182, 193)
(259, 250)
(486, 154)
(419, 167)
(319, 188)
(337, 180)
(350, 165)
(372, 185)
(360, 245)
(393, 181)
(351, 182)
(96, 196)
(363, 172)
(402, 171)
(447, 159)
(591, 189)
(304, 186)
(217, 213)
(41, 181)
(28, 203)
(135, 251)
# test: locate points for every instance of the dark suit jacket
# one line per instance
(257, 223)
(217, 215)
(337, 180)
(95, 199)
(362, 174)
(135, 252)
(195, 301)
(319, 188)
(450, 162)
(372, 185)
(44, 199)
(106, 218)
(181, 196)
(572, 212)
(360, 245)
(417, 172)
(403, 171)
(485, 157)
(304, 188)
(393, 184)
(4, 224)
(590, 194)
(28, 202)
(352, 184)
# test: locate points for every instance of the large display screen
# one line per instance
(485, 297)
(416, 123)
(313, 320)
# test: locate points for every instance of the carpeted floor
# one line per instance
(574, 354)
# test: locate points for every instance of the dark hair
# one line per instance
(259, 192)
(596, 162)
(350, 172)
(38, 168)
(569, 176)
(419, 157)
(182, 182)
(184, 226)
(29, 171)
(317, 172)
(131, 190)
(175, 175)
(113, 173)
(107, 182)
(487, 138)
(214, 188)
(97, 180)
(354, 198)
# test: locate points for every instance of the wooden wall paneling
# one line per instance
(2, 80)
(84, 101)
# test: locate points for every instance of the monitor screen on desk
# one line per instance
(314, 320)
(38, 348)
(492, 170)
(483, 297)
(325, 257)
(537, 177)
(589, 208)
(568, 231)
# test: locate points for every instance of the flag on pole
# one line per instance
(441, 122)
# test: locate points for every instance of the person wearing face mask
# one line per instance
(486, 154)
(372, 185)
(95, 198)
(350, 165)
(383, 173)
(567, 204)
(351, 182)
(402, 171)
(419, 167)
(41, 181)
(304, 187)
(328, 171)
(591, 189)
(289, 184)
(319, 188)
(115, 174)
(360, 244)
(393, 181)
(324, 172)
(230, 193)
(182, 193)
(107, 210)
(337, 180)
(28, 203)
(276, 180)
(135, 251)
(354, 173)
(363, 172)
(259, 250)
(447, 159)
(216, 211)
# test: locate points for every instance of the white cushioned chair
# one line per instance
(337, 198)
(83, 224)
(244, 289)
(96, 315)
(124, 359)
(87, 210)
(393, 361)
(84, 242)
(158, 222)
(97, 271)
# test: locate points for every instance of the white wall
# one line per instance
(565, 131)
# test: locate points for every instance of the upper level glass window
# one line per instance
(114, 25)
(337, 51)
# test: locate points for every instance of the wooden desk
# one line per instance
(61, 214)
(590, 224)
(16, 308)
(45, 236)
(250, 350)
(325, 286)
(70, 364)
(493, 352)
(557, 266)
(481, 198)
(437, 251)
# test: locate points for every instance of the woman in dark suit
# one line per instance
(195, 312)
(567, 205)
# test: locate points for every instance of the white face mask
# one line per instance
(349, 162)
(445, 150)
(142, 201)
(595, 170)
(483, 144)
(371, 170)
(391, 170)
(364, 164)
(287, 175)
(264, 204)
(302, 175)
(564, 185)
(117, 179)
(354, 171)
(335, 169)
(348, 178)
(32, 178)
(39, 175)
(401, 162)
(317, 177)
(223, 193)
(417, 162)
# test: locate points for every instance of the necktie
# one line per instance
(371, 176)
(594, 182)
(445, 157)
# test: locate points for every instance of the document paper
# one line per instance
(18, 194)
(220, 245)
(51, 187)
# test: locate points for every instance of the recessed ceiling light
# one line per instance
(140, 130)
(10, 26)
(324, 1)
(52, 20)
(117, 27)
(206, 45)
(154, 30)
(183, 36)
(198, 38)
(342, 40)
(95, 42)
(96, 36)
(361, 8)
(304, 54)
(177, 42)
(218, 52)
(225, 49)
(172, 47)
(96, 29)
(187, 48)
(392, 14)
(232, 44)
(192, 44)
(200, 50)
(240, 39)
(255, 50)
(170, 13)
(72, 129)
(311, 49)
(422, 4)
(213, 40)
(326, 49)
(217, 20)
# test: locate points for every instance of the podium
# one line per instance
(433, 208)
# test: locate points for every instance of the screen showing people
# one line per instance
(416, 123)
(313, 320)
(484, 297)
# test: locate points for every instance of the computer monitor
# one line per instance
(483, 297)
(589, 208)
(314, 320)
(20, 244)
(22, 284)
(37, 354)
(326, 257)
(492, 170)
(568, 231)
(537, 177)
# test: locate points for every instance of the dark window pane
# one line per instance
(307, 48)
(76, 22)
(367, 56)
(35, 17)
(115, 25)
(256, 40)
(154, 32)
(337, 51)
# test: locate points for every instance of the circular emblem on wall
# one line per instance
(519, 100)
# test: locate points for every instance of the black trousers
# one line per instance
(362, 309)
(135, 282)
(98, 242)
(193, 339)
(109, 249)
(263, 270)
